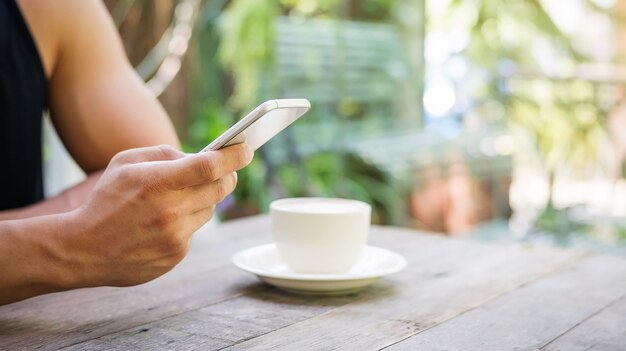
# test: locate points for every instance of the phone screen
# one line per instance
(267, 126)
(256, 130)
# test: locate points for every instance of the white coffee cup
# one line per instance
(320, 235)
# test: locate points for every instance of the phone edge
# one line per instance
(241, 125)
(253, 116)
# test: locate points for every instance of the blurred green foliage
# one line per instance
(563, 118)
(246, 49)
(236, 51)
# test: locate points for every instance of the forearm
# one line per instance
(32, 258)
(66, 201)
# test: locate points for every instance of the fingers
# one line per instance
(198, 203)
(200, 197)
(205, 167)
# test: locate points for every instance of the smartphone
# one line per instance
(262, 124)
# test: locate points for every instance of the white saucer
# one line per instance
(265, 262)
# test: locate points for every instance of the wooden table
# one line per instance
(454, 295)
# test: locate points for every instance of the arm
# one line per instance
(66, 201)
(98, 104)
(135, 226)
(30, 264)
(137, 221)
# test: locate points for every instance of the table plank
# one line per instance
(233, 321)
(206, 303)
(535, 314)
(375, 324)
(605, 330)
(205, 277)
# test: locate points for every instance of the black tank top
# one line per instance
(23, 94)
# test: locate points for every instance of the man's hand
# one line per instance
(139, 220)
(135, 226)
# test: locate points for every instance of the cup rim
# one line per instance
(362, 206)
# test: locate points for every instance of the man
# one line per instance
(122, 226)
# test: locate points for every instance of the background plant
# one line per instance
(528, 67)
(244, 31)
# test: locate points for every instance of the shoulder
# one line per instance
(63, 28)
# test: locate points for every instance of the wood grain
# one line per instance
(263, 310)
(532, 315)
(452, 292)
(605, 330)
(205, 277)
(416, 304)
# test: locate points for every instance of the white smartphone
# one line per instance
(262, 124)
